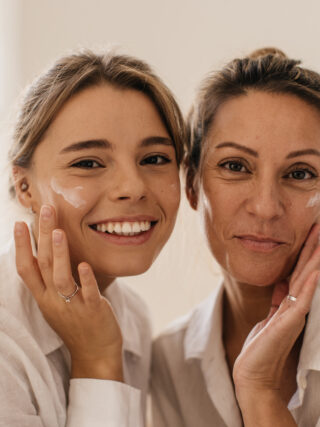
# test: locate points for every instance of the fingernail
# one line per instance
(18, 228)
(45, 212)
(57, 237)
(83, 269)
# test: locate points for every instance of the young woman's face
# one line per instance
(260, 185)
(107, 164)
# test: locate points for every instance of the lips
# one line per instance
(126, 230)
(259, 243)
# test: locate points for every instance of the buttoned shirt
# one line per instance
(191, 384)
(35, 389)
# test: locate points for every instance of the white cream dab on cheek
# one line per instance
(314, 200)
(70, 195)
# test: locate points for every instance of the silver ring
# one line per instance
(67, 298)
(291, 298)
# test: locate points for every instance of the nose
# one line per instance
(265, 200)
(128, 183)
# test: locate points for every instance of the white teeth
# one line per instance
(117, 228)
(136, 228)
(124, 228)
(110, 227)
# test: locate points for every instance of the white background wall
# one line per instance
(183, 40)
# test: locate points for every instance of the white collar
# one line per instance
(206, 317)
(203, 341)
(309, 355)
(207, 345)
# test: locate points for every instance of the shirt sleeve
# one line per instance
(165, 406)
(103, 403)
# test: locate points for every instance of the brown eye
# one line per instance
(155, 160)
(301, 174)
(86, 164)
(234, 166)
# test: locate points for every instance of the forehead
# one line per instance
(265, 121)
(105, 111)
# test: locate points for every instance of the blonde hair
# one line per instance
(75, 72)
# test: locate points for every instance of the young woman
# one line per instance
(95, 159)
(253, 168)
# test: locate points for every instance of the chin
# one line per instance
(260, 277)
(127, 268)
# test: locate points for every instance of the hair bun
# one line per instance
(267, 51)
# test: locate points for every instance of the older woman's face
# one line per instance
(260, 185)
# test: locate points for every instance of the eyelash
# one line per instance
(83, 164)
(226, 166)
(304, 170)
(149, 160)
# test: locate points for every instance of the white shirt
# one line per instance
(191, 384)
(35, 390)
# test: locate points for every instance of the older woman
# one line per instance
(253, 169)
(95, 159)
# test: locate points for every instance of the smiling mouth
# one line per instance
(259, 244)
(124, 228)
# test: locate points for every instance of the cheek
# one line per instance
(69, 201)
(313, 205)
(76, 197)
(167, 192)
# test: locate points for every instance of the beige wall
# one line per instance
(182, 39)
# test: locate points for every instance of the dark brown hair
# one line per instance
(267, 69)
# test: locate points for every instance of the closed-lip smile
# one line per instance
(259, 243)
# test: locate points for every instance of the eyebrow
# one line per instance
(291, 155)
(105, 144)
(303, 153)
(239, 147)
(84, 145)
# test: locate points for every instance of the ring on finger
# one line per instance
(67, 298)
(291, 298)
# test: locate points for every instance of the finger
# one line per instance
(309, 247)
(280, 292)
(47, 223)
(26, 263)
(303, 300)
(89, 287)
(62, 273)
(305, 296)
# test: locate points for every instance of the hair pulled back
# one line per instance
(266, 69)
(73, 73)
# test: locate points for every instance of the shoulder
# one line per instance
(7, 260)
(186, 337)
(122, 294)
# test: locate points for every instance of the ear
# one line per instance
(21, 182)
(192, 187)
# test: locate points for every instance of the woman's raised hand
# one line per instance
(86, 323)
(259, 367)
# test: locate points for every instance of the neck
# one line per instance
(244, 306)
(102, 280)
